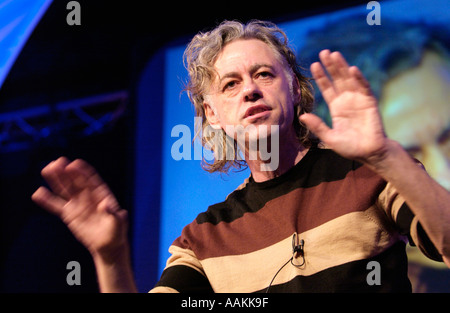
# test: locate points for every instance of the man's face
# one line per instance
(252, 87)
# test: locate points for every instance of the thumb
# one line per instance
(109, 204)
(316, 125)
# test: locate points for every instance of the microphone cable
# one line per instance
(296, 248)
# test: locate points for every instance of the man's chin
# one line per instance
(252, 132)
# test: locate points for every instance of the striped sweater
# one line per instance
(346, 215)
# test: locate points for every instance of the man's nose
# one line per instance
(251, 92)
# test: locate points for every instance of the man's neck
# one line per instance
(290, 153)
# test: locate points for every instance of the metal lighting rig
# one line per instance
(26, 128)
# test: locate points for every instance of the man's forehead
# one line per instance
(245, 55)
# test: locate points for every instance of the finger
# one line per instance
(84, 176)
(337, 67)
(323, 82)
(54, 175)
(329, 63)
(316, 125)
(85, 173)
(123, 215)
(109, 204)
(361, 82)
(49, 201)
(342, 67)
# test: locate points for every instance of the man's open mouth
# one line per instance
(256, 110)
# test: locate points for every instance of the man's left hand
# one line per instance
(357, 131)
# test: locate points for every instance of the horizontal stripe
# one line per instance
(423, 242)
(327, 167)
(352, 276)
(331, 244)
(184, 279)
(343, 211)
(404, 219)
(296, 211)
(160, 289)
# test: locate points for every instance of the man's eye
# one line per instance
(229, 85)
(264, 74)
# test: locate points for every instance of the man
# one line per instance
(329, 212)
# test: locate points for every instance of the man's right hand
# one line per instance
(86, 205)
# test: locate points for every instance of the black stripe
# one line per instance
(184, 279)
(404, 219)
(316, 167)
(352, 276)
(430, 249)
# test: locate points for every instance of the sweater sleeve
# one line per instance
(407, 223)
(183, 272)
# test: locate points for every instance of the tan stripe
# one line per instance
(248, 272)
(186, 257)
(390, 201)
(393, 201)
(354, 236)
(282, 216)
(161, 289)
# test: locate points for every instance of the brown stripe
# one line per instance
(331, 244)
(278, 219)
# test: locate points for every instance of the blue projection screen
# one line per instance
(187, 190)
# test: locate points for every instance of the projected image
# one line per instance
(408, 67)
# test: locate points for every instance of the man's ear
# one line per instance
(212, 116)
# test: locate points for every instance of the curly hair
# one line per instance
(199, 58)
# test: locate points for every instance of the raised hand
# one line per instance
(85, 204)
(357, 131)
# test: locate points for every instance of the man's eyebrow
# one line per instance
(229, 75)
(253, 69)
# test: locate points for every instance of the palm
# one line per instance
(357, 131)
(94, 227)
(84, 203)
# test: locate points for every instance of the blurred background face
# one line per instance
(416, 113)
